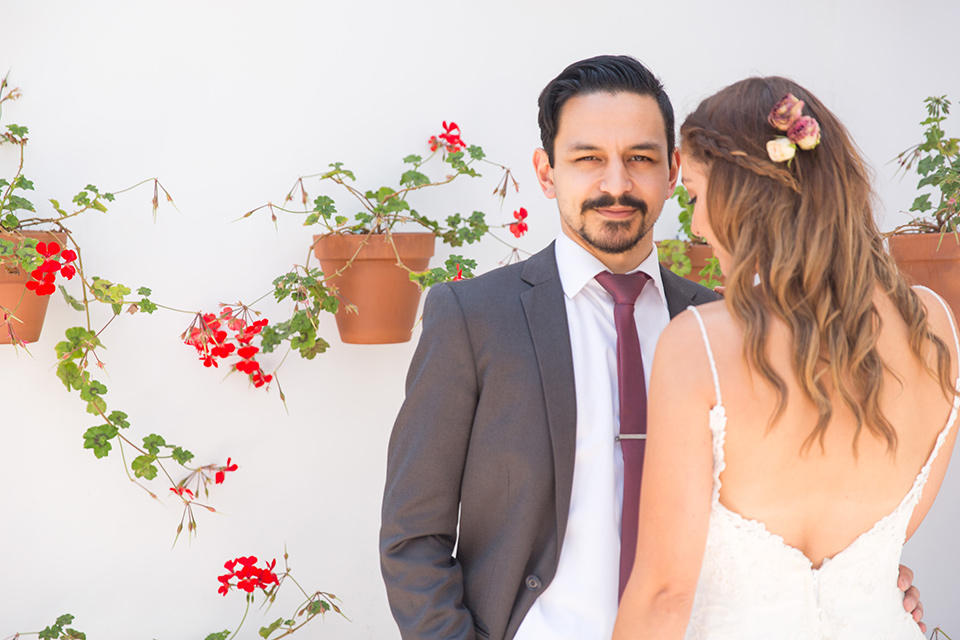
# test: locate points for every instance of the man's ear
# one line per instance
(541, 165)
(674, 172)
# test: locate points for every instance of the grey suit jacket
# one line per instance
(487, 432)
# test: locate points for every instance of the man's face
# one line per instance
(611, 174)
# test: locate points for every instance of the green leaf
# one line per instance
(412, 159)
(266, 631)
(57, 208)
(64, 619)
(73, 302)
(711, 273)
(50, 633)
(71, 376)
(318, 606)
(181, 455)
(319, 346)
(79, 341)
(106, 291)
(21, 182)
(16, 203)
(118, 418)
(413, 178)
(146, 306)
(98, 438)
(143, 291)
(91, 392)
(476, 152)
(223, 635)
(921, 204)
(73, 634)
(324, 206)
(17, 130)
(153, 442)
(382, 195)
(10, 222)
(143, 467)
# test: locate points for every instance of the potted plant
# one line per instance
(371, 264)
(689, 255)
(927, 248)
(27, 257)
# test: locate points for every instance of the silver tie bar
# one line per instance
(630, 436)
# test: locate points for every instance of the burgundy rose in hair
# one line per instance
(802, 131)
(785, 112)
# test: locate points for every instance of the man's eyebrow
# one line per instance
(640, 146)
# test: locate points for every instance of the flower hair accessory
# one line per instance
(802, 131)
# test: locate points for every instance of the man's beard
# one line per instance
(615, 236)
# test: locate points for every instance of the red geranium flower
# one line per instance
(180, 491)
(449, 139)
(519, 227)
(221, 474)
(45, 275)
(249, 577)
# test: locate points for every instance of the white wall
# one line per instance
(227, 103)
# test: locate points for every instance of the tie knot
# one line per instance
(624, 287)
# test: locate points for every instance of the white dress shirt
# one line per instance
(581, 601)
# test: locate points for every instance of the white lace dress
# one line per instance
(753, 585)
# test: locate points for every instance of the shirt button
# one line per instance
(533, 583)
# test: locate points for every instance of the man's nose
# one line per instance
(616, 178)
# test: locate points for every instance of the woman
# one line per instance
(814, 429)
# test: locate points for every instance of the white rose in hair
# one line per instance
(781, 149)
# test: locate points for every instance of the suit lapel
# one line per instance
(546, 315)
(682, 293)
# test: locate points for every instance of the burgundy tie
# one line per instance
(625, 288)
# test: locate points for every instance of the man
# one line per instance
(502, 508)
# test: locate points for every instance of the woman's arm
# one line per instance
(676, 490)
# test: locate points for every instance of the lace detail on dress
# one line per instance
(754, 585)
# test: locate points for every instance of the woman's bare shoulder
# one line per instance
(682, 351)
(939, 315)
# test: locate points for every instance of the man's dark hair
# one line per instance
(593, 75)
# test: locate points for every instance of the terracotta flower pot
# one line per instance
(920, 259)
(26, 307)
(385, 298)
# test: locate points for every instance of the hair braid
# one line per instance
(717, 145)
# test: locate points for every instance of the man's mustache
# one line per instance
(607, 200)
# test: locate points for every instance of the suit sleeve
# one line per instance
(425, 463)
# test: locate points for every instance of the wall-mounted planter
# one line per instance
(25, 310)
(930, 259)
(385, 298)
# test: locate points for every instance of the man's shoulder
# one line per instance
(682, 293)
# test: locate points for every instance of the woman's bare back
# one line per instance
(819, 499)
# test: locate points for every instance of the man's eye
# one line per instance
(586, 158)
(643, 158)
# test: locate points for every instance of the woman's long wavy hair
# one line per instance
(807, 229)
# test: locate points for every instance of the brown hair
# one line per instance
(807, 230)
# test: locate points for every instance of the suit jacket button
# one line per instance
(533, 583)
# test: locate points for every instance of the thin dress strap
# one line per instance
(713, 363)
(915, 492)
(718, 415)
(953, 323)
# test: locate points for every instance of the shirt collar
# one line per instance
(578, 267)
